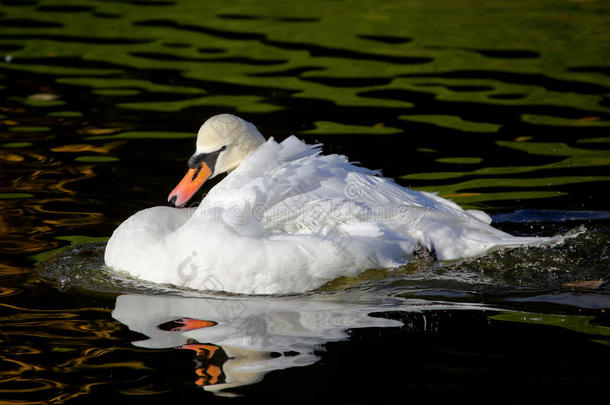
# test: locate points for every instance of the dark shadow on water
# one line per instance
(28, 23)
(75, 39)
(387, 39)
(592, 69)
(65, 9)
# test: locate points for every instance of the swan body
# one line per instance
(288, 219)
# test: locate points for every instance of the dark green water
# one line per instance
(501, 106)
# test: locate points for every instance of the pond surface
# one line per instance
(500, 106)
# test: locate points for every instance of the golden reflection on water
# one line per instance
(10, 157)
(65, 218)
(56, 179)
(31, 194)
(105, 149)
(51, 355)
(31, 222)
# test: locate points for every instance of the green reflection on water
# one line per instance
(573, 158)
(338, 43)
(116, 92)
(581, 324)
(96, 159)
(594, 140)
(456, 191)
(591, 157)
(576, 157)
(65, 114)
(11, 196)
(560, 121)
(60, 70)
(73, 239)
(42, 103)
(460, 160)
(16, 145)
(123, 83)
(481, 69)
(327, 127)
(452, 122)
(29, 129)
(244, 103)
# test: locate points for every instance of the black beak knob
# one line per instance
(172, 201)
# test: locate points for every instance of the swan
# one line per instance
(288, 219)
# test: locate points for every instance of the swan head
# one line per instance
(223, 142)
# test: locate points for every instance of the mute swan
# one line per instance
(288, 219)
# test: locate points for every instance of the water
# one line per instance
(503, 107)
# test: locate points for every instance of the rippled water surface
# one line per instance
(500, 106)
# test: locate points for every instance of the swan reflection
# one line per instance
(237, 341)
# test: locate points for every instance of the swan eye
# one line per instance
(208, 158)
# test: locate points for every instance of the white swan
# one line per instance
(288, 219)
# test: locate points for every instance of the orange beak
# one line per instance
(189, 185)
